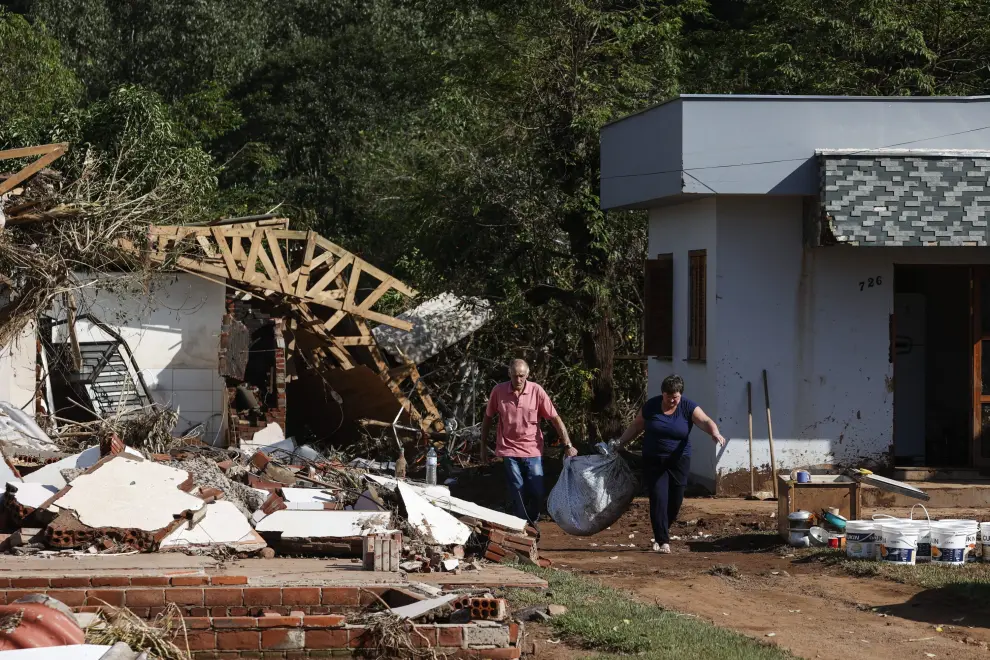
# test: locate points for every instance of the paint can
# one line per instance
(861, 537)
(837, 541)
(953, 541)
(899, 542)
(974, 550)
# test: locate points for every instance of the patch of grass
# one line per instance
(728, 570)
(605, 619)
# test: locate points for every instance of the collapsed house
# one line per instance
(177, 412)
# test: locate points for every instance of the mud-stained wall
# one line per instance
(817, 321)
(678, 230)
(18, 370)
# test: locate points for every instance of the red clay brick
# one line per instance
(150, 581)
(113, 597)
(29, 583)
(450, 636)
(326, 639)
(184, 596)
(71, 582)
(237, 611)
(279, 640)
(4, 583)
(323, 621)
(199, 641)
(341, 596)
(301, 596)
(224, 580)
(70, 598)
(110, 581)
(190, 581)
(279, 621)
(199, 612)
(360, 638)
(423, 637)
(367, 596)
(246, 640)
(198, 622)
(236, 622)
(145, 598)
(263, 596)
(226, 597)
(513, 633)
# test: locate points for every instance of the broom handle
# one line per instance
(773, 462)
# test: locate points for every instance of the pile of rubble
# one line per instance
(282, 500)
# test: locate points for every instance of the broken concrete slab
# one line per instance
(306, 495)
(28, 494)
(223, 525)
(325, 524)
(51, 474)
(423, 607)
(432, 523)
(19, 430)
(128, 494)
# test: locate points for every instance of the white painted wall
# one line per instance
(18, 370)
(678, 230)
(800, 315)
(173, 329)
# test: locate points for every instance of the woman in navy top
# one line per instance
(667, 421)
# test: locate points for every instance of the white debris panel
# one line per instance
(51, 474)
(325, 524)
(130, 494)
(18, 430)
(224, 525)
(431, 523)
(437, 323)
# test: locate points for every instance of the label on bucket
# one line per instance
(860, 537)
(924, 550)
(949, 555)
(897, 555)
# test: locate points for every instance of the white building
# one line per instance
(838, 243)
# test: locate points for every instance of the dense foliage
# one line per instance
(452, 143)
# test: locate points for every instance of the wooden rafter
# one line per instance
(309, 273)
(48, 152)
(301, 265)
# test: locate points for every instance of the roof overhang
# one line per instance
(766, 145)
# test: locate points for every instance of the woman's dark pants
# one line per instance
(665, 478)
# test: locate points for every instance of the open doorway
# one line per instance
(932, 356)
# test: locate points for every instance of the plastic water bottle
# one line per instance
(431, 467)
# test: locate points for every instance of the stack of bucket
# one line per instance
(913, 541)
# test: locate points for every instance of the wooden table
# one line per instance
(824, 491)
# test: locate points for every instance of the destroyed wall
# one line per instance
(173, 330)
(18, 366)
(252, 348)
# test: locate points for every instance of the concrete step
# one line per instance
(969, 494)
(951, 475)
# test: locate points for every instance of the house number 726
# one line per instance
(871, 282)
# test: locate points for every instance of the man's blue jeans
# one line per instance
(524, 480)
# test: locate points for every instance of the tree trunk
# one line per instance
(598, 347)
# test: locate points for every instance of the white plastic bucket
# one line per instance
(899, 542)
(861, 539)
(985, 540)
(953, 541)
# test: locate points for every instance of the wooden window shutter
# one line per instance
(658, 312)
(698, 313)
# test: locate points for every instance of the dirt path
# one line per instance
(809, 608)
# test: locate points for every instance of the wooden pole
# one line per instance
(773, 462)
(749, 405)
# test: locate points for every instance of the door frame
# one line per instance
(979, 275)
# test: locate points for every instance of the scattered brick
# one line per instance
(323, 621)
(301, 596)
(149, 581)
(263, 596)
(73, 582)
(226, 597)
(190, 581)
(29, 583)
(112, 581)
(225, 580)
(145, 598)
(184, 596)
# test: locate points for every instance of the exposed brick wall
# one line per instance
(905, 198)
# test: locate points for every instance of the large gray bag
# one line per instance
(593, 491)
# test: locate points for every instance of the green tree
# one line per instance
(37, 85)
(495, 182)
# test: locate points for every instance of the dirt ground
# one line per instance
(791, 599)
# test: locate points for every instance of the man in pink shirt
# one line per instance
(520, 405)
